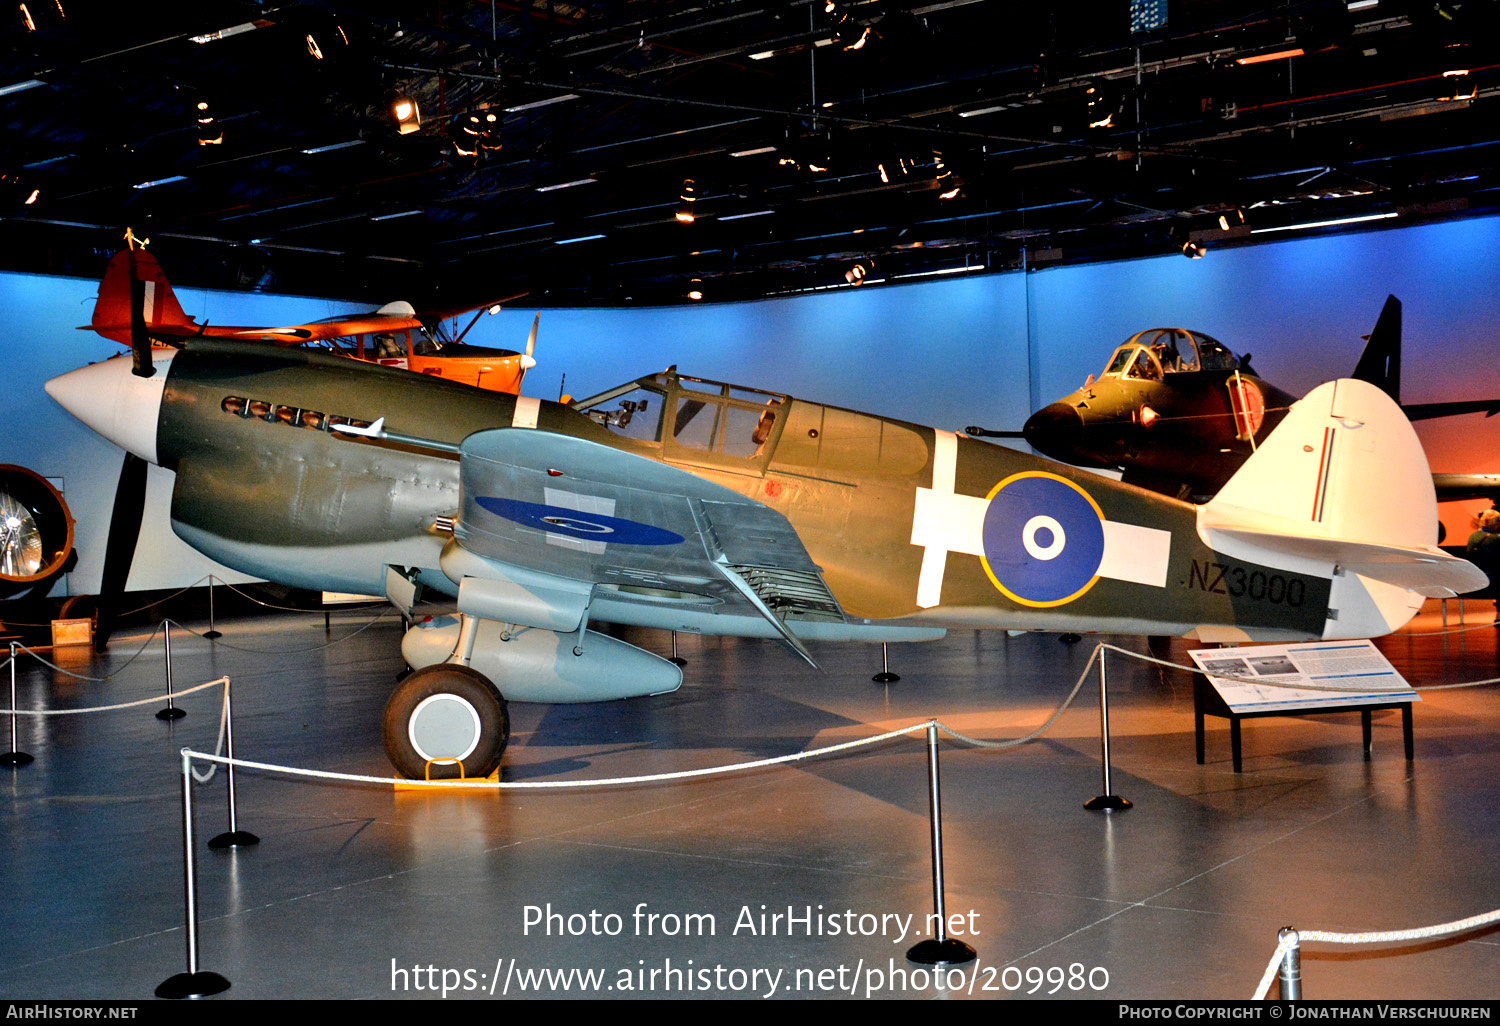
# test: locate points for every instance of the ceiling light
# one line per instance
(751, 153)
(233, 30)
(695, 291)
(1194, 250)
(579, 238)
(26, 17)
(209, 134)
(312, 48)
(951, 193)
(1277, 55)
(334, 146)
(542, 103)
(859, 44)
(392, 217)
(17, 87)
(762, 55)
(983, 110)
(408, 118)
(942, 270)
(566, 185)
(1362, 5)
(740, 217)
(159, 181)
(689, 199)
(1324, 224)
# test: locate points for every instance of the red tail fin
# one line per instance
(164, 314)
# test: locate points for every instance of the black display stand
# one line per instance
(1208, 702)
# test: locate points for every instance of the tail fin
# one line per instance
(164, 315)
(1380, 363)
(1342, 483)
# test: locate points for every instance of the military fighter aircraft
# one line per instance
(691, 505)
(389, 329)
(1179, 413)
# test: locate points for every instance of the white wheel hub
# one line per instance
(444, 726)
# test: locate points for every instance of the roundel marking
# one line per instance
(572, 523)
(1043, 539)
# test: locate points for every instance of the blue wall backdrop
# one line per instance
(944, 352)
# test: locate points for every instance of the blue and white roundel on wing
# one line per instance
(572, 523)
(1043, 539)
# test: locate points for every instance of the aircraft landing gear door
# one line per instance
(722, 427)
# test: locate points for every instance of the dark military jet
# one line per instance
(691, 505)
(1179, 413)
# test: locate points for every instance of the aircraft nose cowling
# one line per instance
(120, 405)
(1056, 431)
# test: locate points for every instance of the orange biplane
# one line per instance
(396, 335)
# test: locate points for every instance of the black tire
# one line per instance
(465, 717)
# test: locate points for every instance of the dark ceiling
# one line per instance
(1069, 137)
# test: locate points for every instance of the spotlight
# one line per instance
(859, 272)
(689, 199)
(1233, 219)
(408, 119)
(1187, 245)
(209, 133)
(312, 48)
(695, 290)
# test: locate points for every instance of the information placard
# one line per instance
(1356, 668)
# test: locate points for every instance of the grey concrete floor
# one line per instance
(361, 891)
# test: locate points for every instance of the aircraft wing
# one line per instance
(588, 513)
(391, 318)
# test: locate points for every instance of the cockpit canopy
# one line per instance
(1150, 354)
(686, 414)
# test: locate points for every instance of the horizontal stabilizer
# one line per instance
(1426, 570)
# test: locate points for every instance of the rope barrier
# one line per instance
(1038, 732)
(98, 680)
(541, 785)
(291, 609)
(1294, 938)
(111, 708)
(288, 651)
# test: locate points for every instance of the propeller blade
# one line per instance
(140, 338)
(528, 361)
(119, 549)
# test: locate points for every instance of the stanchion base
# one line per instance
(941, 952)
(677, 661)
(186, 985)
(1107, 803)
(213, 635)
(15, 759)
(235, 839)
(886, 677)
(171, 713)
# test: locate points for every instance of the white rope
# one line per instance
(110, 708)
(1283, 945)
(1038, 732)
(482, 785)
(1294, 938)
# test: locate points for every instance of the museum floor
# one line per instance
(361, 891)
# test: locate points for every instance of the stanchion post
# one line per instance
(1290, 974)
(885, 676)
(234, 837)
(676, 659)
(939, 949)
(171, 712)
(14, 757)
(194, 982)
(211, 633)
(1108, 801)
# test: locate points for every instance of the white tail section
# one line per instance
(1342, 482)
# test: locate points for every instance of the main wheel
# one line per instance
(447, 712)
